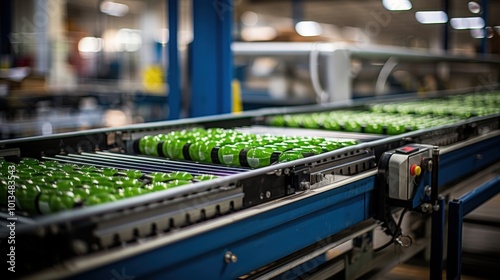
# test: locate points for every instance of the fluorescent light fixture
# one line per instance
(397, 5)
(431, 17)
(477, 33)
(467, 23)
(249, 18)
(474, 7)
(114, 9)
(90, 45)
(128, 40)
(308, 28)
(258, 33)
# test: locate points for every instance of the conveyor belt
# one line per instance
(145, 163)
(200, 206)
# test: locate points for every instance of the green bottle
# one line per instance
(374, 128)
(204, 177)
(66, 201)
(277, 121)
(230, 154)
(67, 167)
(26, 195)
(52, 202)
(194, 148)
(109, 171)
(347, 142)
(159, 177)
(205, 153)
(262, 156)
(99, 198)
(51, 163)
(176, 183)
(67, 184)
(132, 173)
(352, 126)
(81, 193)
(310, 122)
(157, 186)
(133, 191)
(4, 187)
(174, 147)
(56, 175)
(395, 128)
(29, 161)
(180, 175)
(329, 146)
(129, 183)
(293, 120)
(306, 152)
(144, 145)
(290, 155)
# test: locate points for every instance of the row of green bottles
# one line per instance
(43, 187)
(397, 117)
(230, 147)
(361, 121)
(464, 106)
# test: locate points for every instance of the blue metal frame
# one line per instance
(211, 58)
(173, 71)
(484, 15)
(257, 240)
(437, 241)
(456, 164)
(458, 208)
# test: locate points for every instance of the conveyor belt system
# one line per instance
(284, 207)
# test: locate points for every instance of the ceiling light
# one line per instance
(474, 7)
(249, 18)
(397, 5)
(430, 17)
(128, 40)
(114, 9)
(477, 33)
(258, 33)
(308, 28)
(90, 45)
(467, 23)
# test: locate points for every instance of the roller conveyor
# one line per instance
(275, 211)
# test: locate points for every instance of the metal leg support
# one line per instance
(458, 208)
(437, 241)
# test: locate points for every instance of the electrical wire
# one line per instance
(394, 233)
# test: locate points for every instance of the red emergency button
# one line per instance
(415, 170)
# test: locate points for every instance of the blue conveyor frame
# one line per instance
(257, 240)
(269, 232)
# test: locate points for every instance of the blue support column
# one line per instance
(297, 11)
(173, 71)
(211, 60)
(446, 27)
(457, 209)
(437, 241)
(484, 15)
(6, 12)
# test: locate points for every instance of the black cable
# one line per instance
(394, 233)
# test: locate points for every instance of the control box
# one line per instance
(404, 169)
